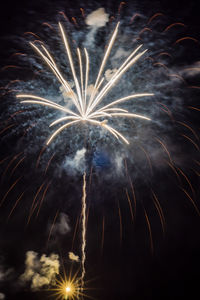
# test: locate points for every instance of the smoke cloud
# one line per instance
(73, 257)
(76, 164)
(2, 296)
(62, 227)
(109, 73)
(97, 18)
(41, 271)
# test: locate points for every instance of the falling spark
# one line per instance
(155, 16)
(9, 190)
(120, 223)
(186, 38)
(172, 25)
(150, 230)
(52, 226)
(17, 201)
(130, 205)
(86, 108)
(103, 232)
(43, 196)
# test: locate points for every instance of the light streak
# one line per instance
(43, 196)
(189, 127)
(186, 38)
(103, 232)
(192, 201)
(189, 139)
(83, 231)
(149, 229)
(160, 211)
(32, 209)
(19, 162)
(9, 164)
(85, 108)
(130, 205)
(172, 25)
(155, 16)
(52, 226)
(17, 201)
(9, 190)
(75, 231)
(120, 223)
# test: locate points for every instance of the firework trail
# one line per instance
(83, 231)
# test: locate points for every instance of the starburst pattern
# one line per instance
(86, 108)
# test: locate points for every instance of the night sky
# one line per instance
(143, 203)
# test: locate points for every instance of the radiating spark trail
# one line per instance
(172, 25)
(160, 211)
(75, 231)
(50, 231)
(85, 108)
(150, 231)
(186, 38)
(192, 130)
(6, 128)
(148, 158)
(174, 170)
(49, 162)
(155, 16)
(186, 178)
(165, 149)
(192, 201)
(9, 164)
(32, 209)
(134, 197)
(83, 232)
(103, 232)
(19, 162)
(42, 199)
(130, 205)
(189, 139)
(17, 201)
(10, 189)
(39, 157)
(120, 223)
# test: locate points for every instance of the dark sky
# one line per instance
(128, 266)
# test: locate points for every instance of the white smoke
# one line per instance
(97, 18)
(109, 73)
(5, 274)
(73, 257)
(76, 164)
(41, 271)
(120, 53)
(62, 226)
(191, 70)
(119, 163)
(2, 296)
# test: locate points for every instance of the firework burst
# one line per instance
(155, 145)
(86, 109)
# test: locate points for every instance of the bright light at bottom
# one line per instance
(68, 289)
